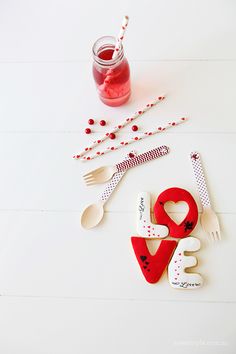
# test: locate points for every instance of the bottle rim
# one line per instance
(108, 43)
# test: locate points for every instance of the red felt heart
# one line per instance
(175, 195)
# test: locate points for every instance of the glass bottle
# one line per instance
(111, 75)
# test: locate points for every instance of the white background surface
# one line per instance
(67, 291)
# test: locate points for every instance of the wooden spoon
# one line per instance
(92, 215)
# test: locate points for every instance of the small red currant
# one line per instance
(112, 136)
(87, 131)
(102, 122)
(134, 128)
(90, 121)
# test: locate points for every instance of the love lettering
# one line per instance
(170, 253)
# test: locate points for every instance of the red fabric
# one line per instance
(153, 267)
(175, 195)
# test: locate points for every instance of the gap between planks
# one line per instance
(72, 61)
(113, 299)
(79, 211)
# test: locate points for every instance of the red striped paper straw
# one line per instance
(147, 134)
(119, 41)
(118, 127)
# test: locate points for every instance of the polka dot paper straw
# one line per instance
(160, 129)
(119, 41)
(120, 36)
(117, 128)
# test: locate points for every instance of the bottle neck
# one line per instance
(103, 50)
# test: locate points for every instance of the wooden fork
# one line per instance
(209, 220)
(103, 174)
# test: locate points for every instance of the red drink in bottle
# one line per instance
(111, 75)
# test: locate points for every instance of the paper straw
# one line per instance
(119, 41)
(160, 129)
(118, 127)
(120, 36)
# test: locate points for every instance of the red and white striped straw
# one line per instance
(120, 36)
(118, 127)
(160, 129)
(119, 41)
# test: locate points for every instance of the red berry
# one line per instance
(90, 121)
(112, 136)
(134, 128)
(87, 131)
(102, 122)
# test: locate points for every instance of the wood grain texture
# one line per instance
(60, 326)
(60, 97)
(65, 290)
(58, 30)
(48, 254)
(38, 172)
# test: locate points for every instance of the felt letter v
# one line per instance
(153, 266)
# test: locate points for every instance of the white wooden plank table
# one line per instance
(67, 290)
